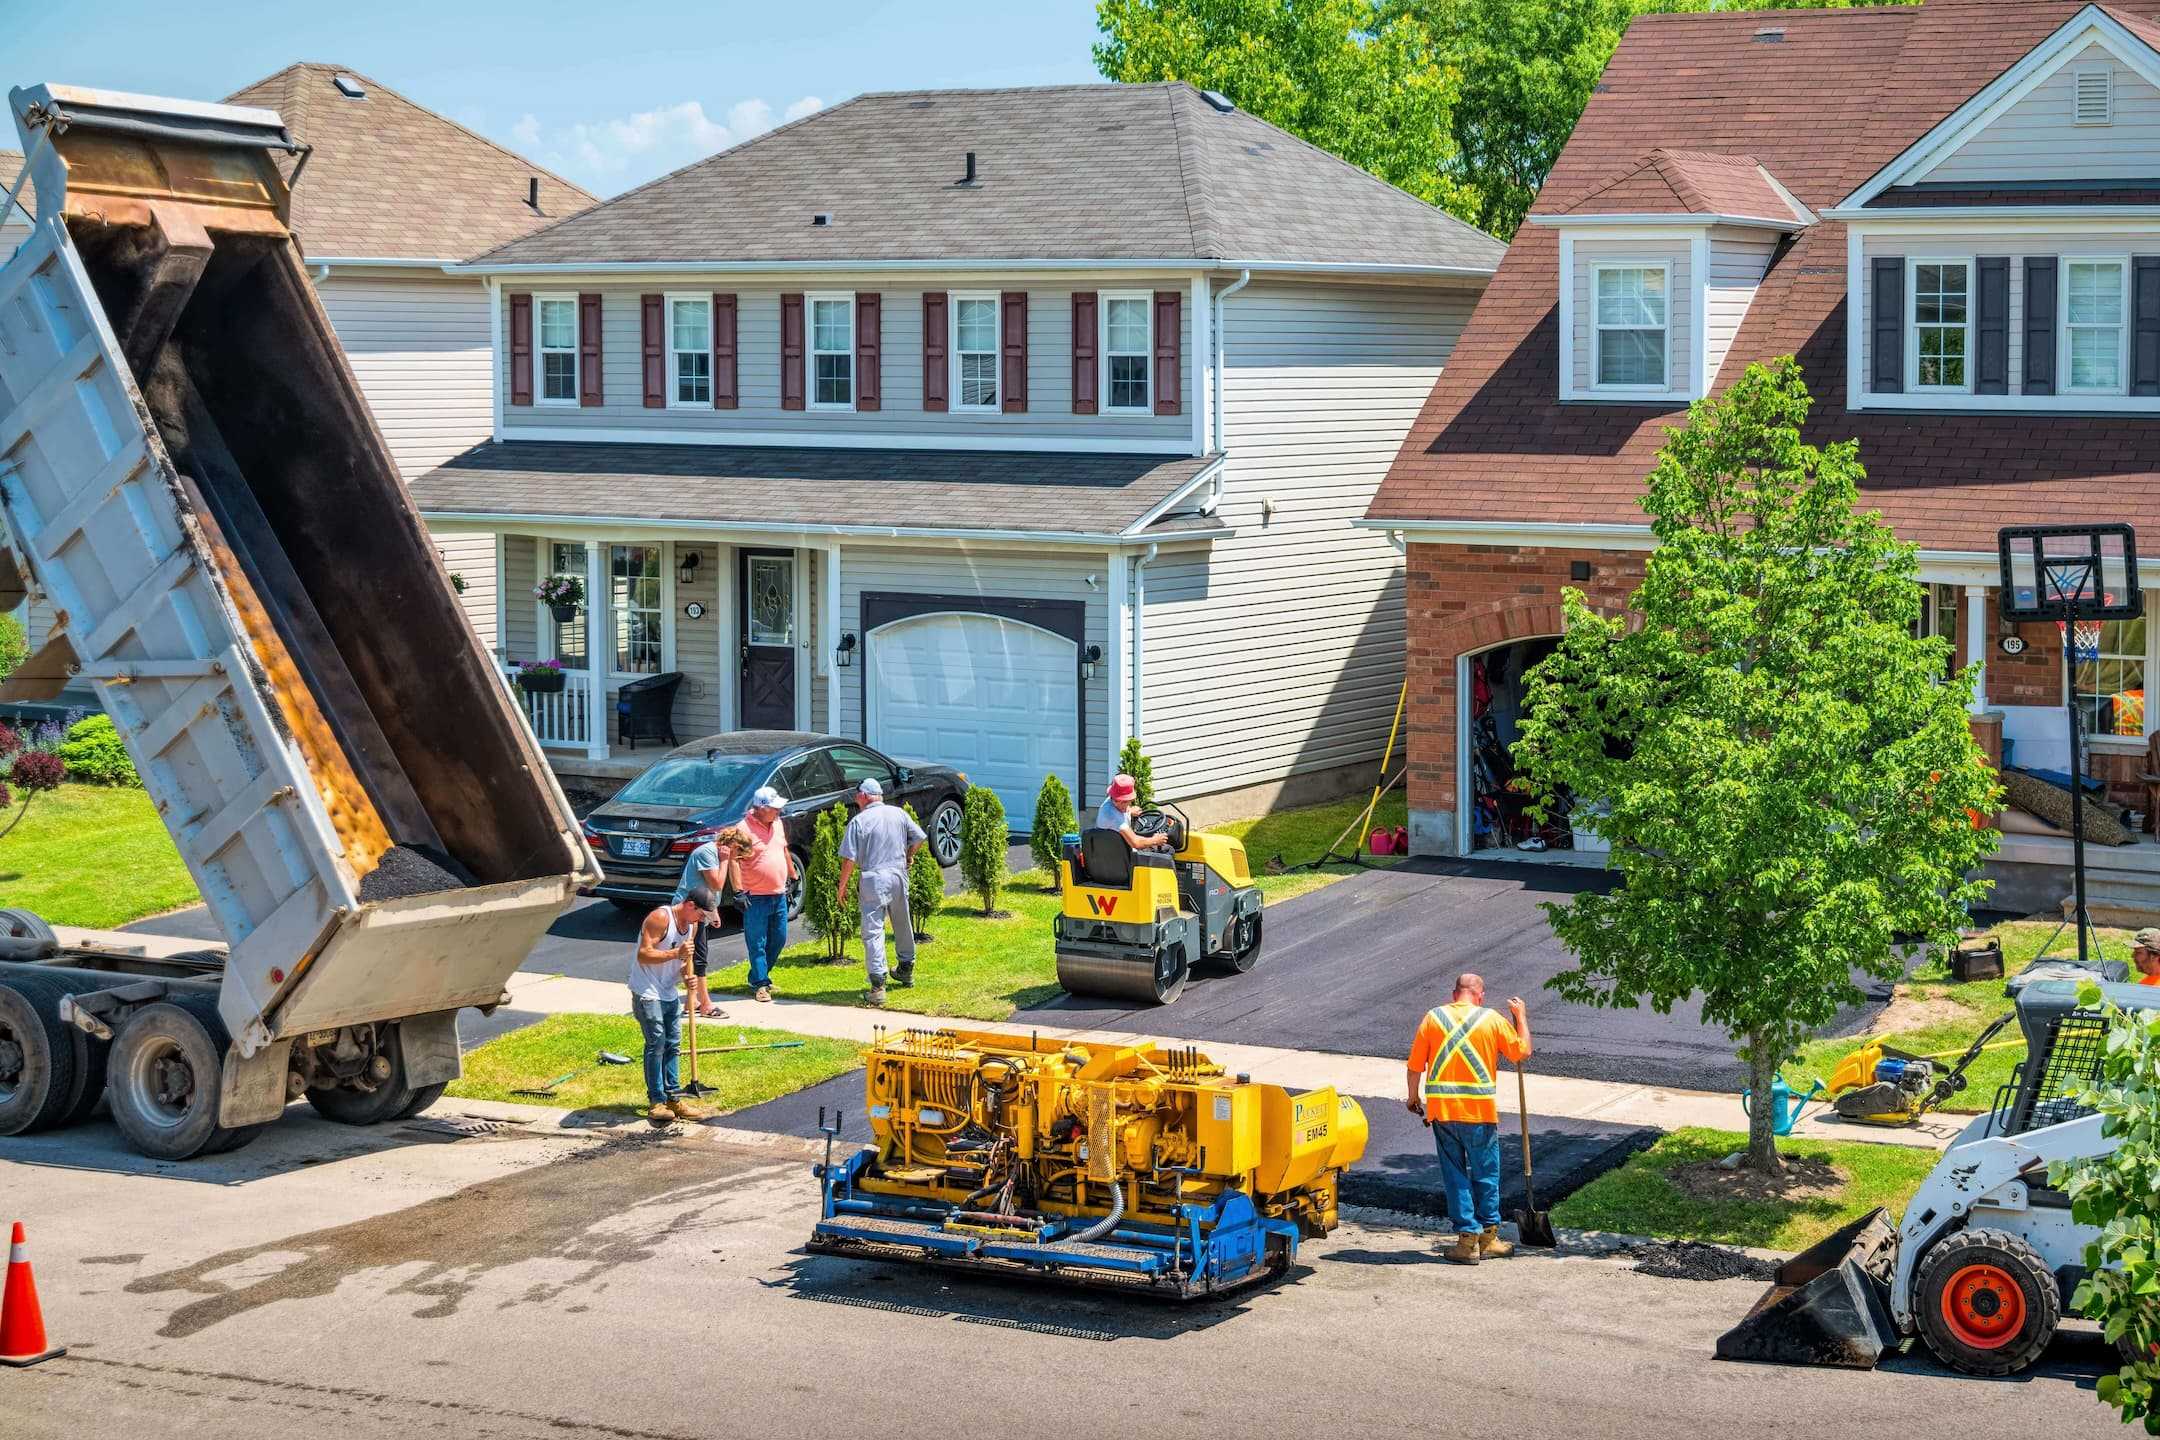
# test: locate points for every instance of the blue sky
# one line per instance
(609, 94)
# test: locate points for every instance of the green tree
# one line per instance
(1133, 761)
(2116, 1192)
(831, 915)
(1789, 783)
(26, 772)
(1053, 818)
(982, 845)
(925, 884)
(14, 645)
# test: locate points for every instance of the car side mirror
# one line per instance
(905, 775)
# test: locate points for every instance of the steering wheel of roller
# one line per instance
(1157, 822)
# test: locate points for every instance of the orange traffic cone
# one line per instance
(22, 1325)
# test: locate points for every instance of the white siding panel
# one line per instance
(1738, 259)
(1279, 651)
(2036, 140)
(419, 346)
(1680, 291)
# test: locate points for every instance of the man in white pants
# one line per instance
(880, 841)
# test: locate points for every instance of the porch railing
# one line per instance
(563, 718)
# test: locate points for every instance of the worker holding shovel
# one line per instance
(1453, 1066)
(661, 963)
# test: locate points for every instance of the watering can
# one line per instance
(1785, 1106)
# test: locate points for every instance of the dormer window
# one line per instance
(1630, 334)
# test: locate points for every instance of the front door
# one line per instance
(768, 639)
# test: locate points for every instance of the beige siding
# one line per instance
(419, 345)
(1738, 259)
(471, 557)
(1280, 651)
(697, 645)
(1049, 413)
(521, 616)
(2037, 139)
(1680, 290)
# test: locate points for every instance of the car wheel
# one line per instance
(795, 888)
(944, 828)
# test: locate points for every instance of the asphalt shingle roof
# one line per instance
(1838, 97)
(1690, 182)
(11, 163)
(389, 179)
(1062, 172)
(1092, 494)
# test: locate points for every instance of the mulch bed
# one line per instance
(1805, 1177)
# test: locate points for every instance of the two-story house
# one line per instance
(991, 427)
(1951, 215)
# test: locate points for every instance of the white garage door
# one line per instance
(996, 697)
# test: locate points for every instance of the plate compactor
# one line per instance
(1129, 1166)
(1137, 923)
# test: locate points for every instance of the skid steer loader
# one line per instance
(1983, 1264)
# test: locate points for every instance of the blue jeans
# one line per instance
(1470, 1169)
(661, 1020)
(764, 933)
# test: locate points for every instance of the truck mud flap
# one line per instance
(1828, 1305)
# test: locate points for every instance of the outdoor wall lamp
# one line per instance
(844, 653)
(1088, 658)
(686, 573)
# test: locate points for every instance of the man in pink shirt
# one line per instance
(763, 875)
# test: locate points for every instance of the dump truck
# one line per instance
(190, 478)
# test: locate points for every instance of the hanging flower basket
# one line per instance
(541, 677)
(562, 594)
(563, 611)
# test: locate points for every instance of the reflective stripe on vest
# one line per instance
(1457, 1042)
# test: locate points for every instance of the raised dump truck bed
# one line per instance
(189, 476)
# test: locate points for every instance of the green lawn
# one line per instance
(1948, 1017)
(563, 1043)
(1640, 1198)
(92, 855)
(978, 969)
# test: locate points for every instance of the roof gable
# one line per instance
(1696, 183)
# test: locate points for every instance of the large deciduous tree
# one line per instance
(1785, 770)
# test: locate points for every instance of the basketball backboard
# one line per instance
(2057, 572)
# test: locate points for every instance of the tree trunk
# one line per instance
(1762, 1061)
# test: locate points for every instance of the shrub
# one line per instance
(925, 884)
(1053, 817)
(831, 915)
(1133, 761)
(26, 771)
(14, 645)
(94, 755)
(982, 845)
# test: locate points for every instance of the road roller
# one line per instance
(1136, 923)
(1127, 1165)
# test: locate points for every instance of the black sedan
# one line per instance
(644, 836)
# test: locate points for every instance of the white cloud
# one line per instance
(612, 155)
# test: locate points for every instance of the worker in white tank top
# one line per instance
(658, 968)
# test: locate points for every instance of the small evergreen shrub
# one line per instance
(982, 845)
(832, 916)
(1133, 761)
(925, 884)
(94, 755)
(1053, 818)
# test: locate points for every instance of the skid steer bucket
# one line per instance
(1827, 1305)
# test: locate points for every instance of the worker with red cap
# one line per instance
(1118, 808)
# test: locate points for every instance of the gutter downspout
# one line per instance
(1395, 538)
(1139, 628)
(1222, 315)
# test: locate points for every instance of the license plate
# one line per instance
(636, 849)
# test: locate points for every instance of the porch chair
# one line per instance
(645, 709)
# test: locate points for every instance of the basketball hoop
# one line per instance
(2083, 638)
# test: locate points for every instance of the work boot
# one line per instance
(877, 995)
(1465, 1251)
(764, 994)
(661, 1114)
(687, 1109)
(904, 977)
(1493, 1245)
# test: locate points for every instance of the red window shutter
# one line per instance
(791, 352)
(1087, 369)
(935, 366)
(1169, 317)
(521, 337)
(588, 361)
(655, 349)
(869, 335)
(725, 396)
(1012, 382)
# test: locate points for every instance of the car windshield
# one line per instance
(694, 780)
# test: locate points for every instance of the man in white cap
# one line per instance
(880, 841)
(763, 873)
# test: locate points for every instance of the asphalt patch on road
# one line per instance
(797, 1114)
(1694, 1260)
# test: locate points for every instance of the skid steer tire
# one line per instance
(38, 1082)
(163, 1079)
(1986, 1303)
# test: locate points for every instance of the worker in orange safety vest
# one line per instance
(1454, 1063)
(2145, 956)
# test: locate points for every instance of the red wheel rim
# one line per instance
(1984, 1307)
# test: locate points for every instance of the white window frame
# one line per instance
(544, 619)
(811, 352)
(997, 351)
(541, 352)
(1912, 323)
(2109, 740)
(667, 316)
(1102, 345)
(1597, 331)
(2064, 385)
(606, 608)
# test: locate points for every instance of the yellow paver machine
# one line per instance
(1133, 1166)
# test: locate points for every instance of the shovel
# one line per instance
(1532, 1226)
(607, 1057)
(766, 1045)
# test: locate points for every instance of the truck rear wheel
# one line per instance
(163, 1080)
(423, 1099)
(349, 1105)
(1986, 1303)
(37, 1056)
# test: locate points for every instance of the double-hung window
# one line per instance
(2095, 311)
(1630, 311)
(1128, 352)
(832, 351)
(975, 352)
(1941, 335)
(1938, 617)
(637, 608)
(567, 638)
(689, 351)
(555, 322)
(2110, 687)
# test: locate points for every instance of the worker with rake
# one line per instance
(1454, 1061)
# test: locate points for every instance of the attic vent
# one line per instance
(1219, 100)
(821, 219)
(969, 177)
(349, 86)
(1770, 35)
(532, 191)
(920, 104)
(2095, 95)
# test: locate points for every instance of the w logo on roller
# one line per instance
(1103, 904)
(22, 1326)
